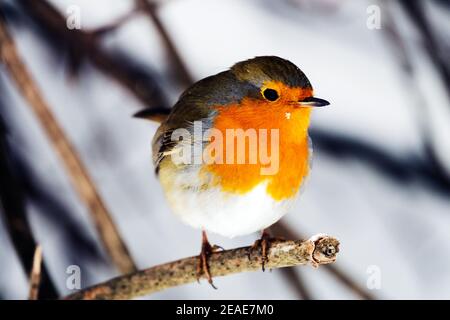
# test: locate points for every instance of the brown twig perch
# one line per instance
(35, 276)
(76, 170)
(317, 250)
(282, 229)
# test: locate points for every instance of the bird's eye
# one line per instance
(270, 94)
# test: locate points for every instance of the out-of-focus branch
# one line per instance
(281, 229)
(315, 251)
(76, 170)
(12, 202)
(439, 56)
(35, 276)
(434, 163)
(295, 280)
(402, 170)
(150, 8)
(111, 27)
(84, 45)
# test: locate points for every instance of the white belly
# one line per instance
(226, 214)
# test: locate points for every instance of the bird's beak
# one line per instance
(312, 102)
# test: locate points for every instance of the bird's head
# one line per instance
(277, 82)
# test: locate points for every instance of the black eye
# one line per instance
(270, 94)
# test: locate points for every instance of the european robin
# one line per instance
(250, 124)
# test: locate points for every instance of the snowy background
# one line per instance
(380, 179)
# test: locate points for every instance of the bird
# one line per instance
(216, 185)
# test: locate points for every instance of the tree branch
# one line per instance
(35, 276)
(81, 180)
(317, 250)
(280, 228)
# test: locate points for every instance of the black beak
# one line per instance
(313, 102)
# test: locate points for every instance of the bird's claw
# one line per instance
(202, 265)
(216, 248)
(263, 243)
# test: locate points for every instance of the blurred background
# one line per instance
(381, 172)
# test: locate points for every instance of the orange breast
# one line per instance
(293, 149)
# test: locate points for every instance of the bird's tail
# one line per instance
(153, 114)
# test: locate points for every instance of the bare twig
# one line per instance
(35, 276)
(317, 250)
(76, 170)
(280, 228)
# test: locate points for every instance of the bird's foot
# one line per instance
(264, 243)
(202, 265)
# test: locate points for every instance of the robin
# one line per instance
(234, 151)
